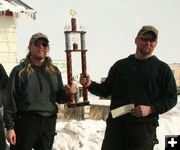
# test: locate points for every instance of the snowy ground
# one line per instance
(88, 134)
(79, 135)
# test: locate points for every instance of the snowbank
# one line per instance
(88, 134)
(79, 135)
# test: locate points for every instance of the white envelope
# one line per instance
(122, 110)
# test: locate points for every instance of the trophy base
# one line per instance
(70, 105)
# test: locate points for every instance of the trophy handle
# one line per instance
(84, 73)
(69, 74)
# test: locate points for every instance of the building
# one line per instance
(9, 12)
(176, 71)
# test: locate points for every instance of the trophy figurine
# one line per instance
(72, 46)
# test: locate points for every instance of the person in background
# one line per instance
(33, 89)
(3, 81)
(144, 81)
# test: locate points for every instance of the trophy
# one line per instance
(71, 47)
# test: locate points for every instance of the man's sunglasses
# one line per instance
(147, 39)
(38, 44)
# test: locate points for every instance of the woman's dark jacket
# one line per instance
(37, 93)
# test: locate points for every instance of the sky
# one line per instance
(111, 26)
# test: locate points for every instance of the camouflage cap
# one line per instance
(36, 36)
(146, 29)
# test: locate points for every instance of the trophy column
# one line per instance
(69, 74)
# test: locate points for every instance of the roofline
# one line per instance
(8, 12)
(22, 3)
(176, 64)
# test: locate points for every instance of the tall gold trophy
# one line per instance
(71, 47)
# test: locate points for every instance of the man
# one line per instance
(144, 81)
(33, 89)
(3, 81)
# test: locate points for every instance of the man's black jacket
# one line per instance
(141, 82)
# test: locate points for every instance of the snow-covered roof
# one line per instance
(16, 7)
(175, 64)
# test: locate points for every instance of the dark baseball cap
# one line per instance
(146, 29)
(36, 36)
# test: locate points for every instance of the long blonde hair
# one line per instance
(25, 65)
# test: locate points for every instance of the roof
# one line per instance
(175, 64)
(15, 7)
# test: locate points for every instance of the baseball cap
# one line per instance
(36, 36)
(148, 28)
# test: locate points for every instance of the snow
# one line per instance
(94, 100)
(79, 135)
(88, 134)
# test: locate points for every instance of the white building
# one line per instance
(176, 71)
(9, 12)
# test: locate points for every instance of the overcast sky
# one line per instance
(111, 26)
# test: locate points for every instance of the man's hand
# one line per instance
(70, 89)
(11, 137)
(85, 80)
(141, 111)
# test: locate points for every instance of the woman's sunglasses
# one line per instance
(38, 44)
(147, 39)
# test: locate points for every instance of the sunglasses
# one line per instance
(38, 44)
(147, 39)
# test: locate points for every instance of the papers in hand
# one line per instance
(122, 110)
